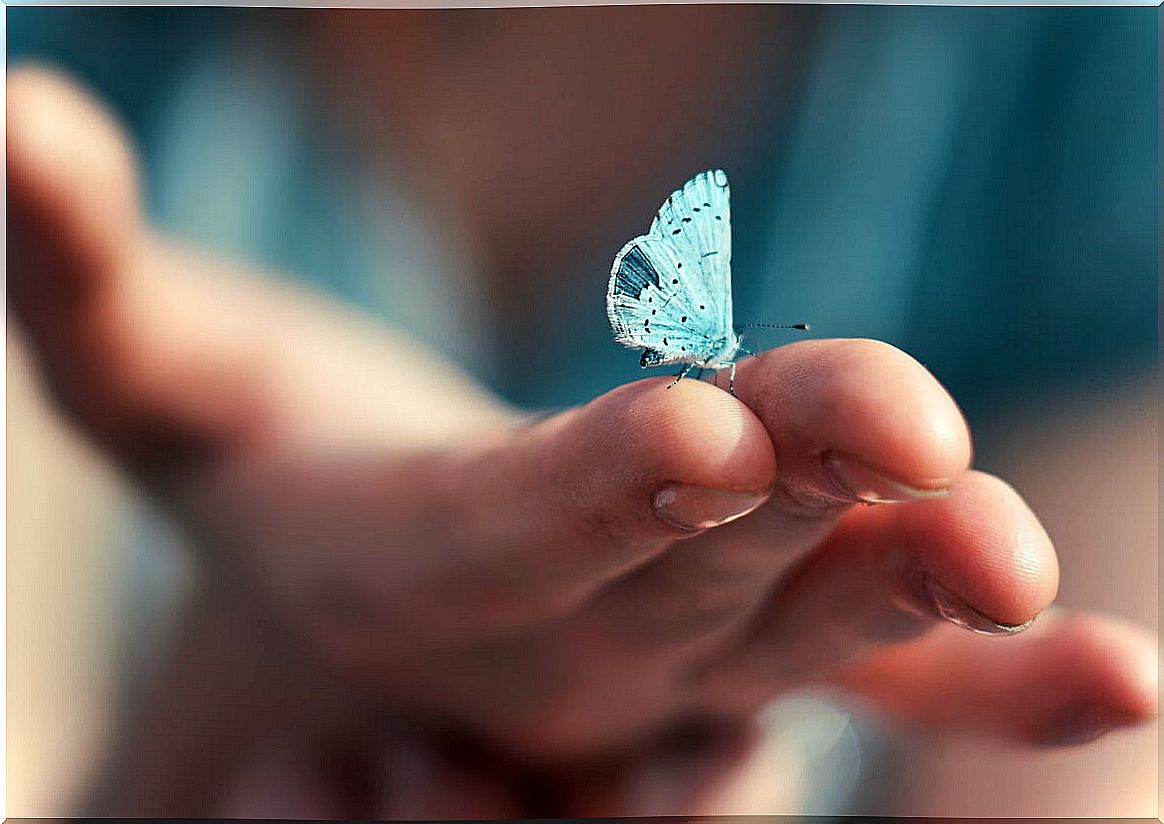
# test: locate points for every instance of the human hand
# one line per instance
(561, 589)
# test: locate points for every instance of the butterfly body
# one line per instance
(670, 289)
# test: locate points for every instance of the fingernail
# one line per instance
(858, 482)
(696, 507)
(957, 611)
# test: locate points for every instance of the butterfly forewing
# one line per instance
(697, 219)
(670, 290)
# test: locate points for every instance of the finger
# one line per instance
(518, 529)
(73, 199)
(1068, 680)
(168, 358)
(123, 345)
(978, 558)
(72, 196)
(833, 409)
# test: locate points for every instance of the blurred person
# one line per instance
(434, 576)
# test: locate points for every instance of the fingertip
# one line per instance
(1099, 675)
(651, 460)
(696, 434)
(864, 400)
(1123, 659)
(993, 566)
(1020, 577)
(53, 121)
(71, 173)
(905, 420)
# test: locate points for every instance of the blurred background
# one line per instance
(975, 186)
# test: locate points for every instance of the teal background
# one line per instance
(976, 185)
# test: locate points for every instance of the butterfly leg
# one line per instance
(732, 379)
(682, 374)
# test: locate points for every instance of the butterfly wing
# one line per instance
(697, 219)
(670, 290)
(650, 308)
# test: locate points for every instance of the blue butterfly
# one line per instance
(670, 291)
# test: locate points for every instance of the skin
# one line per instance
(597, 603)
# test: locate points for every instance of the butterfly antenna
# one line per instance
(803, 327)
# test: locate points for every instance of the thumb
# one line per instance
(119, 328)
(72, 194)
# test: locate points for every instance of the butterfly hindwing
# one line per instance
(652, 306)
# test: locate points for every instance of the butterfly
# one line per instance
(670, 291)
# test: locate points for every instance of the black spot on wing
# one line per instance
(635, 273)
(650, 358)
